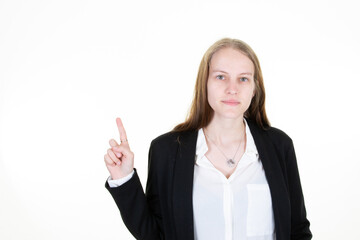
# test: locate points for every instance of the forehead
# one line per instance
(229, 59)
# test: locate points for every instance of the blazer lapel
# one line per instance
(183, 185)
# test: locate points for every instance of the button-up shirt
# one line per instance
(238, 207)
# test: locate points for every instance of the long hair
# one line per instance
(201, 113)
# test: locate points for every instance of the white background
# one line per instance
(69, 68)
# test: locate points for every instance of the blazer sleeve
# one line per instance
(140, 212)
(300, 226)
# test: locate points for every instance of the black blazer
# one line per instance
(166, 210)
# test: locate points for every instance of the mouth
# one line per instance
(231, 102)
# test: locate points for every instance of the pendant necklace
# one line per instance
(229, 161)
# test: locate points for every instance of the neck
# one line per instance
(225, 131)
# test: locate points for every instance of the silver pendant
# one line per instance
(230, 162)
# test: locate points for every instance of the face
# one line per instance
(230, 85)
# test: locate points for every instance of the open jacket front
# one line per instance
(166, 210)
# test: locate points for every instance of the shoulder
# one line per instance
(278, 136)
(281, 142)
(165, 138)
(165, 148)
(275, 135)
(173, 139)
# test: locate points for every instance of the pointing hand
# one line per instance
(119, 159)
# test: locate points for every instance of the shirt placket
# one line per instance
(228, 207)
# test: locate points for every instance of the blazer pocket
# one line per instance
(260, 217)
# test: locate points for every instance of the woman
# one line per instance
(222, 174)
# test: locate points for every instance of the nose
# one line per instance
(232, 92)
(232, 88)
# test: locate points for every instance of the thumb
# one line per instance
(113, 143)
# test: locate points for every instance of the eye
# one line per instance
(220, 77)
(244, 79)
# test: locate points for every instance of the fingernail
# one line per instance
(118, 163)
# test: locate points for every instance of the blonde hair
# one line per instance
(201, 113)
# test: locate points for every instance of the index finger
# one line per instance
(121, 129)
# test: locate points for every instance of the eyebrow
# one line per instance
(244, 73)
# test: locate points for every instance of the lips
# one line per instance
(231, 102)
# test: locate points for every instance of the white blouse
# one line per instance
(234, 208)
(238, 207)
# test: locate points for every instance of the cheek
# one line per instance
(248, 95)
(215, 89)
(252, 90)
(211, 95)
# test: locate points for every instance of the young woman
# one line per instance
(222, 174)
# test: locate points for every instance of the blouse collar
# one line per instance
(202, 148)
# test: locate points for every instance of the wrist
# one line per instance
(116, 176)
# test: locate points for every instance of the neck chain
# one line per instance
(229, 161)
